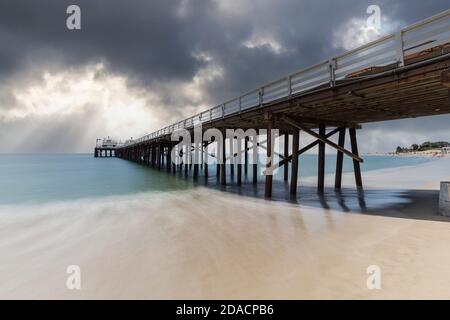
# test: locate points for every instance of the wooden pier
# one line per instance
(100, 152)
(406, 75)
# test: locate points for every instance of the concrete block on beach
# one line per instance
(444, 199)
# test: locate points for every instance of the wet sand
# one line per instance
(207, 244)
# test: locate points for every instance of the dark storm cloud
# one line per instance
(153, 43)
(148, 40)
(139, 38)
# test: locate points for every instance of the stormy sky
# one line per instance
(137, 65)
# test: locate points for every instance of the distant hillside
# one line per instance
(423, 147)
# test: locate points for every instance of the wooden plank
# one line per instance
(445, 78)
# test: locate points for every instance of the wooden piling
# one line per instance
(159, 157)
(294, 166)
(246, 156)
(169, 158)
(239, 161)
(269, 176)
(321, 160)
(205, 159)
(223, 165)
(174, 160)
(356, 166)
(339, 160)
(196, 160)
(255, 163)
(231, 142)
(286, 154)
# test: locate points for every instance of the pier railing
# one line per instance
(383, 54)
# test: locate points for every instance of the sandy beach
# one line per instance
(207, 244)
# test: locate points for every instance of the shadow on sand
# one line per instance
(398, 203)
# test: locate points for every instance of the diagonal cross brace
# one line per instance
(321, 138)
(304, 149)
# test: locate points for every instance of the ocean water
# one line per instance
(136, 232)
(41, 178)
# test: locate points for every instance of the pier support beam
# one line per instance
(239, 161)
(246, 156)
(231, 142)
(223, 165)
(174, 160)
(356, 166)
(153, 155)
(196, 159)
(339, 160)
(218, 155)
(295, 154)
(159, 156)
(169, 158)
(255, 163)
(321, 160)
(205, 160)
(269, 176)
(286, 154)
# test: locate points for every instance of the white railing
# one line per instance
(388, 52)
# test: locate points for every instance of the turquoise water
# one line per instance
(37, 178)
